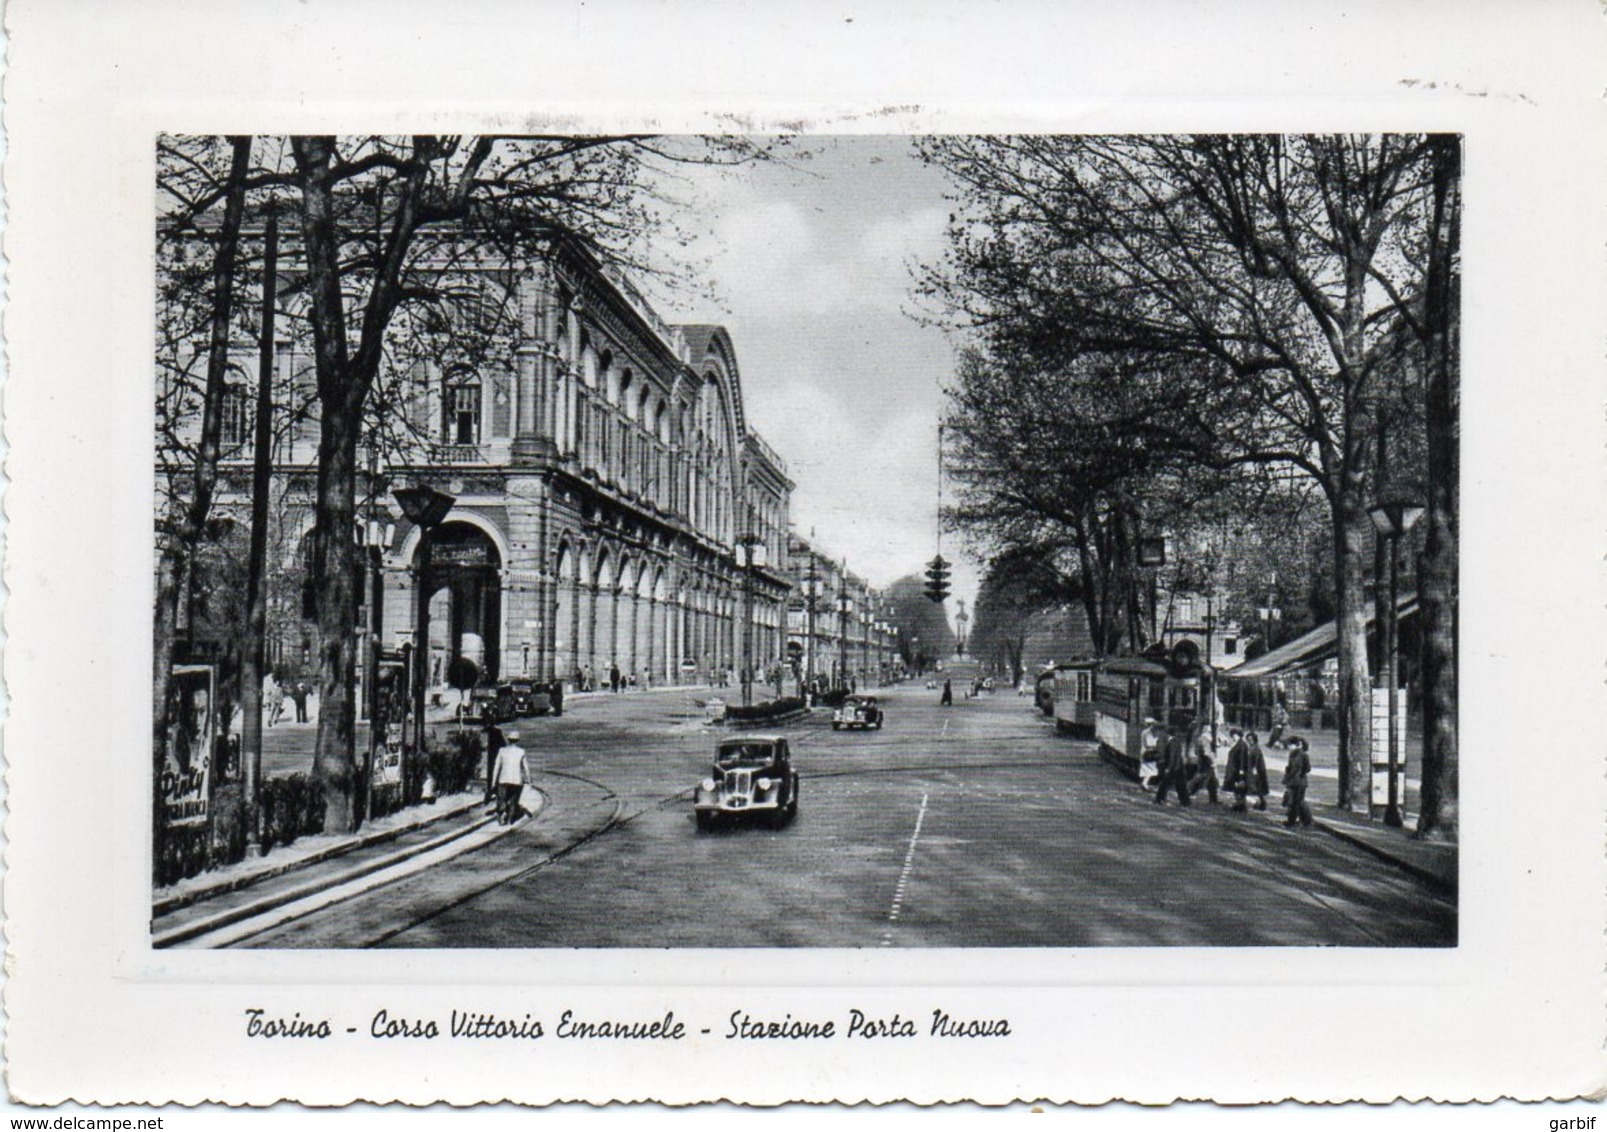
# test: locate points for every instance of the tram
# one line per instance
(1128, 691)
(1073, 697)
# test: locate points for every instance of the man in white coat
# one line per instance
(509, 777)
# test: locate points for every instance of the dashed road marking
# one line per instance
(904, 875)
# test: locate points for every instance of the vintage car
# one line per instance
(858, 711)
(752, 775)
(519, 698)
(481, 707)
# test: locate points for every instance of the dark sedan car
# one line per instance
(752, 775)
(519, 698)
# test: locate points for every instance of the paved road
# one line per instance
(972, 826)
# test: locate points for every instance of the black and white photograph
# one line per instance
(1008, 521)
(546, 585)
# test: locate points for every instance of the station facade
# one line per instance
(612, 507)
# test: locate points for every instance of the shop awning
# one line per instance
(1307, 650)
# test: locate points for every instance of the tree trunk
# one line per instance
(178, 543)
(1353, 535)
(338, 576)
(1437, 573)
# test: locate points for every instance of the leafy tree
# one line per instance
(1223, 302)
(462, 674)
(925, 635)
(1019, 587)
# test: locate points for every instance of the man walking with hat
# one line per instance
(509, 778)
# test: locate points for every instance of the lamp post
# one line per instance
(867, 631)
(811, 581)
(426, 508)
(845, 610)
(1270, 615)
(750, 555)
(378, 537)
(1393, 518)
(1151, 557)
(1208, 678)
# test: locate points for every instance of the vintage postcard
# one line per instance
(536, 593)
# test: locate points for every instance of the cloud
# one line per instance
(813, 270)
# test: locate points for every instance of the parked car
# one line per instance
(858, 711)
(752, 775)
(519, 698)
(481, 707)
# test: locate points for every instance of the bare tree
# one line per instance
(199, 299)
(1242, 291)
(397, 242)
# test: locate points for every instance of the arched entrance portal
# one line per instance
(465, 601)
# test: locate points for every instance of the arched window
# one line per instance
(460, 402)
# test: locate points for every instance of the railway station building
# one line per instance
(612, 505)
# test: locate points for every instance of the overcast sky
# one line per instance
(810, 262)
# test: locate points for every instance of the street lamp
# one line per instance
(1392, 518)
(750, 556)
(426, 508)
(811, 586)
(1152, 556)
(376, 537)
(845, 610)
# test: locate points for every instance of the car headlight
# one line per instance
(708, 785)
(764, 784)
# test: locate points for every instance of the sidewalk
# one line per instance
(315, 870)
(1433, 862)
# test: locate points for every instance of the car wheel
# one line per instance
(792, 802)
(878, 725)
(835, 726)
(705, 820)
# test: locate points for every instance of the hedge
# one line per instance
(293, 806)
(767, 710)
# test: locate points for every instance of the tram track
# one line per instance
(618, 818)
(622, 812)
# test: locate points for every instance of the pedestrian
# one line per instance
(557, 695)
(1280, 720)
(1295, 776)
(1175, 768)
(273, 694)
(510, 778)
(948, 694)
(613, 676)
(1151, 747)
(1237, 781)
(1255, 769)
(494, 741)
(298, 693)
(1204, 767)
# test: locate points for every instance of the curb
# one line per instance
(361, 841)
(208, 924)
(1428, 876)
(266, 904)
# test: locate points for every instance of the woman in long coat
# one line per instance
(1255, 770)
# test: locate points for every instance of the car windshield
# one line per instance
(747, 754)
